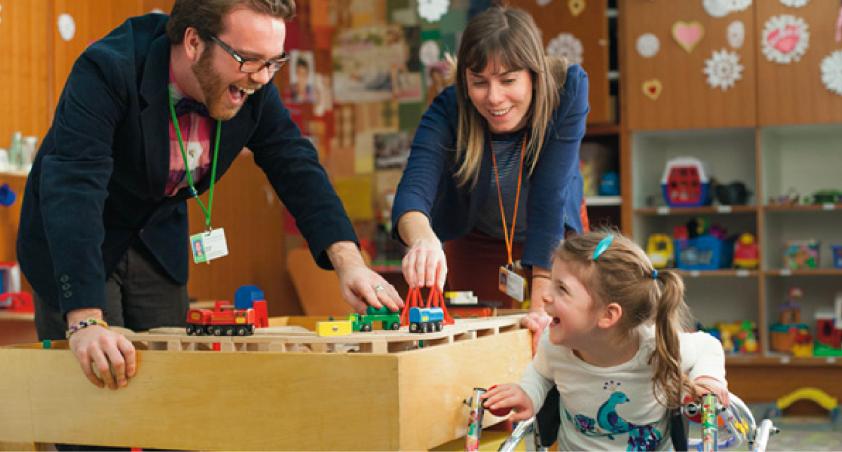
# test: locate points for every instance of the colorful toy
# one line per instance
(660, 250)
(801, 254)
(11, 296)
(609, 185)
(791, 309)
(388, 320)
(425, 320)
(791, 338)
(826, 331)
(334, 327)
(223, 320)
(824, 197)
(746, 252)
(434, 300)
(685, 183)
(738, 337)
(836, 254)
(704, 253)
(461, 298)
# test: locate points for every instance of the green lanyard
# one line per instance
(206, 210)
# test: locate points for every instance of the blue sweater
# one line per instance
(555, 187)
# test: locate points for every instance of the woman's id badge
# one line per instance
(207, 246)
(511, 283)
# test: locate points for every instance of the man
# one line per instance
(104, 231)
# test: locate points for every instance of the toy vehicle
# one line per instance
(425, 320)
(660, 250)
(685, 183)
(388, 320)
(334, 328)
(223, 321)
(746, 254)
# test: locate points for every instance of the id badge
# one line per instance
(511, 283)
(207, 246)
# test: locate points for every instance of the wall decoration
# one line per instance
(723, 69)
(648, 45)
(785, 38)
(66, 26)
(429, 52)
(301, 79)
(322, 96)
(832, 72)
(576, 6)
(688, 34)
(568, 46)
(736, 34)
(543, 2)
(365, 61)
(1, 10)
(432, 10)
(716, 8)
(794, 3)
(738, 5)
(652, 88)
(391, 149)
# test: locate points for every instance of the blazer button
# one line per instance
(68, 294)
(64, 278)
(65, 287)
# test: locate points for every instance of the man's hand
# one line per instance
(509, 396)
(107, 358)
(360, 285)
(425, 264)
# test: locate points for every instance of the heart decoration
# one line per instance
(785, 39)
(652, 88)
(688, 34)
(576, 6)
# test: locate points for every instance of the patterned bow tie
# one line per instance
(187, 105)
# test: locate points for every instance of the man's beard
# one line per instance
(214, 90)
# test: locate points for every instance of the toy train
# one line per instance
(224, 321)
(363, 322)
(425, 320)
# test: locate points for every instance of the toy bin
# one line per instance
(704, 252)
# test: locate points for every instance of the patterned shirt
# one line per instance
(196, 132)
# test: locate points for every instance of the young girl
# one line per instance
(616, 349)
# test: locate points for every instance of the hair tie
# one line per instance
(602, 246)
(655, 274)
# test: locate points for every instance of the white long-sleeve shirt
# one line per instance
(615, 407)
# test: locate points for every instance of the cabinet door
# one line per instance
(590, 27)
(91, 20)
(24, 76)
(793, 93)
(685, 99)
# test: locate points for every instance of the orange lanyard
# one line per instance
(509, 238)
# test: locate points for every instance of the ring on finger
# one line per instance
(379, 287)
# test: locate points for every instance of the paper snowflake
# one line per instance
(432, 10)
(785, 38)
(738, 5)
(723, 69)
(794, 3)
(567, 46)
(832, 72)
(543, 2)
(716, 8)
(648, 45)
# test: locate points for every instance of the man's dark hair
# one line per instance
(206, 15)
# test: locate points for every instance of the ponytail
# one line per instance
(670, 318)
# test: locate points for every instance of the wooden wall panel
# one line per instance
(163, 5)
(591, 28)
(24, 69)
(94, 19)
(793, 93)
(686, 100)
(248, 208)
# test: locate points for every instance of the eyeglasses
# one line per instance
(252, 65)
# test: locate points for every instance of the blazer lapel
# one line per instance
(154, 117)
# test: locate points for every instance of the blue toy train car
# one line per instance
(425, 320)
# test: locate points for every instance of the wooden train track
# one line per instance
(299, 339)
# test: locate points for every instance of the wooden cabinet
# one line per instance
(685, 100)
(793, 93)
(590, 27)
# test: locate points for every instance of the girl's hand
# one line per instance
(536, 321)
(709, 385)
(509, 396)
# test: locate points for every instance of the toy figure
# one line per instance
(746, 252)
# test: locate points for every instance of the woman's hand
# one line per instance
(709, 385)
(509, 396)
(425, 264)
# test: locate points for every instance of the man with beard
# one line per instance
(150, 117)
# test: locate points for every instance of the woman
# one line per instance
(493, 208)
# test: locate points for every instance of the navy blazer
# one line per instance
(428, 184)
(97, 184)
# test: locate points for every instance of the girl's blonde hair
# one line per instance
(624, 275)
(509, 38)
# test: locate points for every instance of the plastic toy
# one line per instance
(739, 337)
(819, 397)
(660, 250)
(732, 194)
(609, 185)
(425, 320)
(824, 197)
(334, 327)
(434, 300)
(836, 254)
(791, 309)
(704, 253)
(685, 183)
(7, 195)
(461, 298)
(223, 320)
(789, 199)
(746, 252)
(388, 320)
(801, 254)
(11, 297)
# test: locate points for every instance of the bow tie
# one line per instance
(187, 105)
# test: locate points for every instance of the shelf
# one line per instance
(706, 210)
(780, 359)
(725, 272)
(803, 208)
(809, 272)
(602, 129)
(593, 201)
